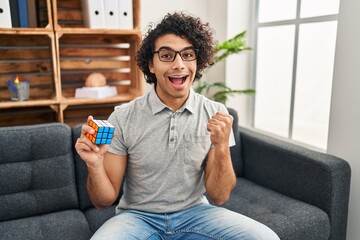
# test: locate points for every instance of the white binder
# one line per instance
(125, 14)
(93, 13)
(111, 14)
(5, 15)
(96, 92)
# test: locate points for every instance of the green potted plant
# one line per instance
(231, 46)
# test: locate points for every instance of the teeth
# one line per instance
(178, 76)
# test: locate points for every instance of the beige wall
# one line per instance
(344, 127)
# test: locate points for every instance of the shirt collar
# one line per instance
(190, 102)
(157, 105)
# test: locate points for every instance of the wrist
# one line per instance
(221, 147)
(95, 166)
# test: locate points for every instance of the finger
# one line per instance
(103, 149)
(214, 126)
(223, 121)
(86, 129)
(217, 122)
(82, 147)
(85, 141)
(223, 116)
(90, 118)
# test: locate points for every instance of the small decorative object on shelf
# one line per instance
(95, 80)
(95, 87)
(19, 90)
(104, 132)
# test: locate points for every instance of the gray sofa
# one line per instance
(300, 194)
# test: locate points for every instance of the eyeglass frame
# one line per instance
(176, 53)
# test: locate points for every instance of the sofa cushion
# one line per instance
(236, 150)
(36, 170)
(289, 218)
(70, 224)
(97, 217)
(81, 172)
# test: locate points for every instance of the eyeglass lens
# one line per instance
(168, 55)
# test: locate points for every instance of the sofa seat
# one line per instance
(67, 224)
(96, 217)
(295, 219)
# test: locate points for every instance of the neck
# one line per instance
(172, 102)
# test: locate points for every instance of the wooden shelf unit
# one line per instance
(57, 58)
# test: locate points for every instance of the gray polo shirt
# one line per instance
(166, 151)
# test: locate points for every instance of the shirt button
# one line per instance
(173, 116)
(172, 140)
(172, 127)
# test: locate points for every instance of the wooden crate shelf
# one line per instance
(27, 115)
(121, 98)
(57, 57)
(29, 56)
(109, 54)
(74, 115)
(31, 103)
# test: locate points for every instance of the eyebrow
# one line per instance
(169, 48)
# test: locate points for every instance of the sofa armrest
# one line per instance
(316, 178)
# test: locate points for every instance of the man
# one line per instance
(171, 146)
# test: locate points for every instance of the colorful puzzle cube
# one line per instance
(104, 132)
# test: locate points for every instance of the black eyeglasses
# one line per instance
(168, 55)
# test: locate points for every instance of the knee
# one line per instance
(261, 233)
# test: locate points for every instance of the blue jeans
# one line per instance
(200, 222)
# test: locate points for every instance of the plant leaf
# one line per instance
(231, 46)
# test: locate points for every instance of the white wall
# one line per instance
(217, 20)
(238, 68)
(344, 126)
(155, 10)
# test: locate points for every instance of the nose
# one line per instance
(178, 62)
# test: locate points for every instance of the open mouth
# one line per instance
(178, 79)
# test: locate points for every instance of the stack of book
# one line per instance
(18, 13)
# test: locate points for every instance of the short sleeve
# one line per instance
(117, 145)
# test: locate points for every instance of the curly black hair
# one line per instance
(192, 28)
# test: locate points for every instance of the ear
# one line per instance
(151, 67)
